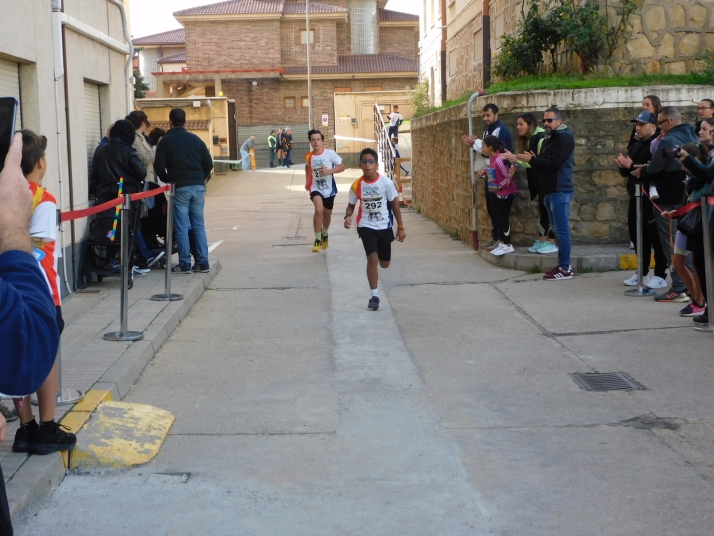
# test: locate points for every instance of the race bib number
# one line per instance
(373, 206)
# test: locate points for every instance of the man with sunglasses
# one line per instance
(378, 209)
(668, 174)
(554, 172)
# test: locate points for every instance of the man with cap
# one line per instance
(638, 153)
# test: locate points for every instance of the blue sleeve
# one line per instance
(504, 136)
(28, 325)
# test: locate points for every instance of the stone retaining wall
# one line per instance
(600, 119)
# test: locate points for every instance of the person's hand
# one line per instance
(667, 213)
(508, 155)
(325, 171)
(481, 173)
(493, 189)
(468, 141)
(525, 157)
(637, 172)
(348, 222)
(15, 202)
(401, 235)
(625, 162)
(3, 428)
(682, 155)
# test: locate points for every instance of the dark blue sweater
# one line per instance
(29, 336)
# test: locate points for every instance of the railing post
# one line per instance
(167, 296)
(706, 230)
(641, 291)
(474, 185)
(124, 334)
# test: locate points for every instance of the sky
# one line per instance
(155, 16)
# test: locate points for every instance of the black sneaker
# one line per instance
(9, 413)
(203, 268)
(25, 436)
(184, 269)
(52, 438)
(156, 256)
(702, 319)
(373, 303)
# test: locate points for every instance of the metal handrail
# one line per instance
(387, 153)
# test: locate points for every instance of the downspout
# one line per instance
(486, 26)
(129, 75)
(474, 185)
(444, 23)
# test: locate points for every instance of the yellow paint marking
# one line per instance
(80, 414)
(628, 261)
(91, 400)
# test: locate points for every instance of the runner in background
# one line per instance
(378, 209)
(320, 166)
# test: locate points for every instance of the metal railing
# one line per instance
(385, 150)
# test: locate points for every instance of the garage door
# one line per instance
(10, 85)
(262, 155)
(92, 122)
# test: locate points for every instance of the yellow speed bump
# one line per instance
(628, 261)
(120, 435)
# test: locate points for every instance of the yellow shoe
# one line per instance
(317, 247)
(325, 241)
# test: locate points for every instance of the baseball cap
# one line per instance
(645, 117)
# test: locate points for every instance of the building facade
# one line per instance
(91, 91)
(432, 48)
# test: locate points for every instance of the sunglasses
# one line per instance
(549, 120)
(369, 162)
(663, 121)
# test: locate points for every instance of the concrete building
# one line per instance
(88, 58)
(152, 50)
(432, 48)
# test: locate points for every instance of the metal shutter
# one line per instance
(10, 85)
(92, 122)
(301, 145)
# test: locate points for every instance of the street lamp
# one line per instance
(309, 73)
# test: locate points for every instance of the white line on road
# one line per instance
(214, 246)
(234, 228)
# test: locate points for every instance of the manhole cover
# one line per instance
(606, 381)
(169, 478)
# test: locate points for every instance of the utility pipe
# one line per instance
(309, 70)
(129, 74)
(474, 185)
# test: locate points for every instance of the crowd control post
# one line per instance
(707, 260)
(65, 397)
(124, 334)
(641, 291)
(167, 296)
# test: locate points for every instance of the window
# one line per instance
(303, 37)
(373, 88)
(478, 46)
(288, 103)
(343, 90)
(305, 102)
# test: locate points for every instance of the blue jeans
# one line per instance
(245, 159)
(558, 207)
(188, 214)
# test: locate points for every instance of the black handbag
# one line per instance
(691, 223)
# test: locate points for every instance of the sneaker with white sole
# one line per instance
(536, 246)
(558, 273)
(654, 195)
(502, 249)
(632, 281)
(693, 310)
(656, 282)
(548, 248)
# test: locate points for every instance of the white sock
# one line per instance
(375, 293)
(318, 236)
(324, 232)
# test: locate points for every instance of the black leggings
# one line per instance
(502, 211)
(544, 226)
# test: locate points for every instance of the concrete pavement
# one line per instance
(448, 411)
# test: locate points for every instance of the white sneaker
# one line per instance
(653, 193)
(656, 282)
(548, 248)
(632, 281)
(503, 249)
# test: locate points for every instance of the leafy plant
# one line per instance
(419, 98)
(622, 29)
(584, 31)
(140, 87)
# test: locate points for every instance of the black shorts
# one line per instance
(379, 242)
(327, 202)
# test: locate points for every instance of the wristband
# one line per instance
(347, 216)
(400, 227)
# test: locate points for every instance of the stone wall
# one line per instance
(464, 74)
(600, 119)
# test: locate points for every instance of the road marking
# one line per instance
(234, 228)
(214, 246)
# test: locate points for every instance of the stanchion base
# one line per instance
(65, 397)
(640, 293)
(167, 297)
(119, 336)
(704, 328)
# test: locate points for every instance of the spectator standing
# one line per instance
(503, 188)
(705, 110)
(395, 121)
(494, 127)
(245, 152)
(670, 177)
(638, 153)
(183, 159)
(272, 147)
(28, 323)
(652, 104)
(288, 137)
(280, 147)
(554, 170)
(145, 151)
(115, 160)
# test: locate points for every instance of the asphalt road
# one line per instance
(449, 411)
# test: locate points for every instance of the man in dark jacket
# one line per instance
(493, 127)
(28, 321)
(182, 158)
(638, 153)
(116, 160)
(669, 175)
(554, 173)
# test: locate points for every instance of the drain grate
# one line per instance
(606, 381)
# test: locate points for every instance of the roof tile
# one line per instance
(190, 125)
(236, 7)
(179, 57)
(298, 8)
(386, 15)
(172, 37)
(362, 63)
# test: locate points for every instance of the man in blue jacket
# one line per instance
(554, 172)
(28, 323)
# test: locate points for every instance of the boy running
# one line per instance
(47, 437)
(377, 195)
(320, 166)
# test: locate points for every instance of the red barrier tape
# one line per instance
(76, 214)
(680, 211)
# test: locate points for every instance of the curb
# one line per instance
(34, 481)
(538, 263)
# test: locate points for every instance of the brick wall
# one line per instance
(441, 164)
(324, 50)
(399, 41)
(463, 74)
(344, 39)
(233, 45)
